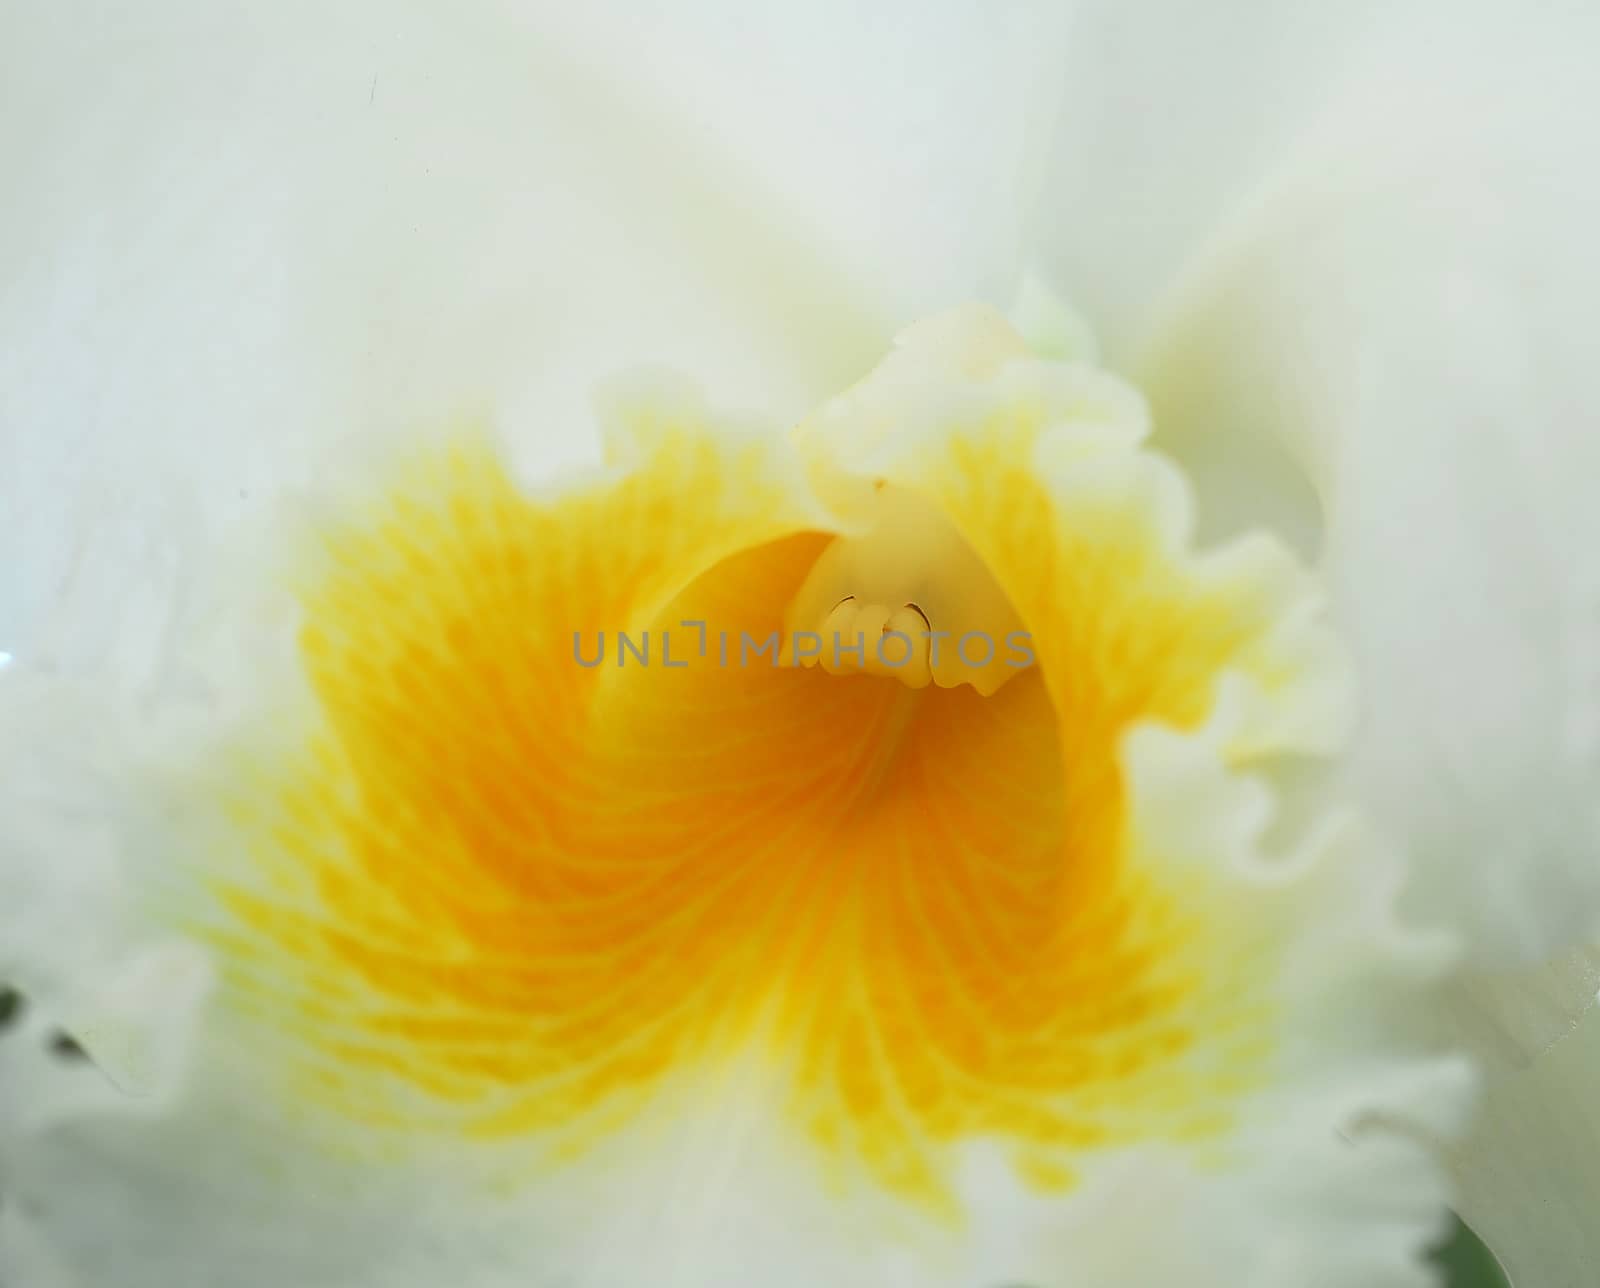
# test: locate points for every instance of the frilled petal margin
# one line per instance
(1396, 308)
(712, 969)
(1401, 307)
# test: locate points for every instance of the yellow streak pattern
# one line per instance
(498, 892)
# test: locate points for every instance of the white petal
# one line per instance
(1408, 307)
(230, 237)
(906, 135)
(25, 1255)
(1169, 115)
(1530, 1172)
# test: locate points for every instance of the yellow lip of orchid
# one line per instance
(469, 882)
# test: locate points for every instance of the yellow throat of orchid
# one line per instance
(485, 881)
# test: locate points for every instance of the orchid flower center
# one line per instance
(485, 887)
(909, 599)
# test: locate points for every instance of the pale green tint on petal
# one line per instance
(1529, 1175)
(1507, 1019)
(1051, 327)
(26, 1257)
(1406, 310)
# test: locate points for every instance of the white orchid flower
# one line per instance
(1133, 944)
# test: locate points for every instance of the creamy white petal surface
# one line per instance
(1169, 116)
(230, 236)
(910, 139)
(1403, 304)
(1399, 306)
